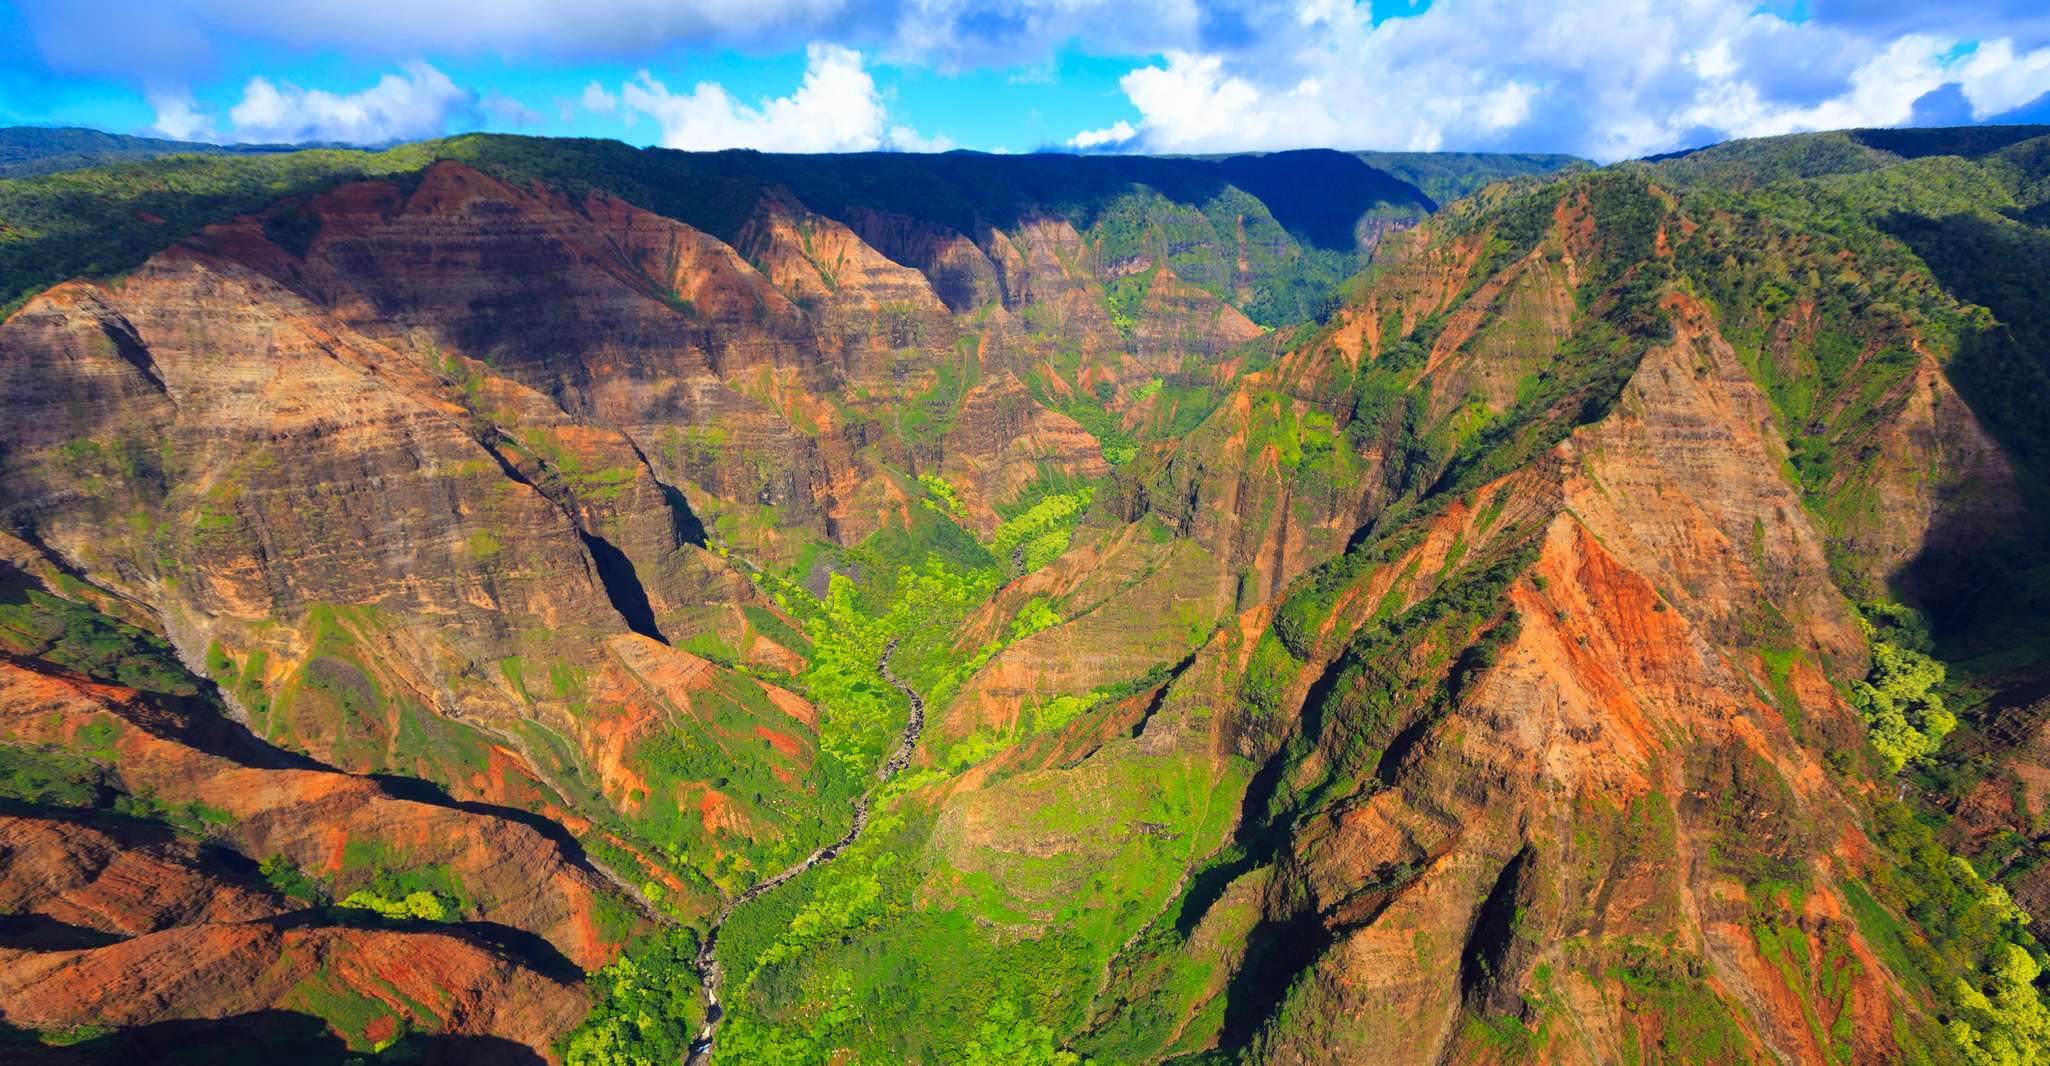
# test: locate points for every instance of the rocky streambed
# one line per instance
(710, 974)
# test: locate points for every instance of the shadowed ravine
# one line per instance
(709, 972)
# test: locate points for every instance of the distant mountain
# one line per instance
(31, 150)
(1271, 234)
(1447, 176)
(1797, 156)
(1325, 197)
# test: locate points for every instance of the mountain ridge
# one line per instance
(1510, 654)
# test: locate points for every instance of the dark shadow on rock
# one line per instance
(40, 932)
(1972, 579)
(261, 1038)
(689, 528)
(1278, 952)
(421, 790)
(1320, 196)
(540, 956)
(622, 586)
(437, 1049)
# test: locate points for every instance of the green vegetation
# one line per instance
(1969, 944)
(285, 878)
(944, 499)
(48, 778)
(1447, 176)
(646, 1006)
(1125, 296)
(41, 777)
(934, 979)
(396, 887)
(36, 624)
(364, 1022)
(418, 906)
(734, 748)
(1695, 1026)
(31, 150)
(1904, 716)
(1010, 1037)
(1064, 850)
(1040, 534)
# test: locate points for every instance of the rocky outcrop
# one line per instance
(387, 981)
(962, 275)
(1451, 679)
(62, 876)
(334, 825)
(1549, 762)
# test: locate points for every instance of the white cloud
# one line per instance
(1196, 102)
(1995, 79)
(1604, 78)
(950, 35)
(1881, 91)
(1109, 136)
(597, 99)
(178, 116)
(836, 109)
(421, 102)
(906, 139)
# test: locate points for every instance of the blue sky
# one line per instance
(1601, 78)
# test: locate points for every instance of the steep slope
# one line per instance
(163, 867)
(437, 476)
(1549, 763)
(1480, 669)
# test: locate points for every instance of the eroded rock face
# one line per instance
(462, 414)
(120, 920)
(448, 984)
(71, 875)
(321, 820)
(1462, 661)
(1551, 751)
(432, 486)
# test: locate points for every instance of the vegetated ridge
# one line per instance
(965, 609)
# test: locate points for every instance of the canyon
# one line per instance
(505, 599)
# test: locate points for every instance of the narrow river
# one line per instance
(709, 971)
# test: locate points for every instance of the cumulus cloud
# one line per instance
(950, 35)
(837, 108)
(1604, 78)
(595, 98)
(1997, 80)
(178, 116)
(1111, 136)
(906, 139)
(419, 102)
(1608, 79)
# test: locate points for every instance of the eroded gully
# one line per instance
(709, 971)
